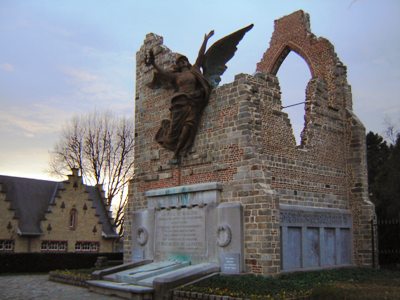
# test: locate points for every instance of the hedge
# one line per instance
(45, 262)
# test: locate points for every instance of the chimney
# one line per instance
(75, 172)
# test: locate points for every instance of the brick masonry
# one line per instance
(245, 141)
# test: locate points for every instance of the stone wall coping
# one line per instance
(287, 207)
(201, 187)
(230, 204)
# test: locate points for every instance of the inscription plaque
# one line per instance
(180, 232)
(312, 245)
(230, 263)
(137, 254)
(315, 218)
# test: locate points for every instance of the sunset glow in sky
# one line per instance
(60, 58)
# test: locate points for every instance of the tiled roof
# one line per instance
(30, 200)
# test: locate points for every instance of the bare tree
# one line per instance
(101, 146)
(392, 130)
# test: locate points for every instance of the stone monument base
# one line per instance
(185, 233)
(188, 224)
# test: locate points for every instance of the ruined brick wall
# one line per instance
(328, 169)
(245, 142)
(227, 150)
(293, 33)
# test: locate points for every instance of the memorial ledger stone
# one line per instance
(180, 232)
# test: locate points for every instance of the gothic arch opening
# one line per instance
(294, 75)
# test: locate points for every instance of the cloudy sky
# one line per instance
(59, 58)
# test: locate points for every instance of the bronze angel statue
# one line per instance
(192, 86)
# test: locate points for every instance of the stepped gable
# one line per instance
(95, 195)
(29, 198)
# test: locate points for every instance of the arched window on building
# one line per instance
(294, 75)
(73, 216)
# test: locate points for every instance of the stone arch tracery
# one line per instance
(294, 75)
(284, 52)
(293, 33)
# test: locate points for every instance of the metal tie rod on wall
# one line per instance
(282, 107)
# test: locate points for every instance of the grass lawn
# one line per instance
(347, 283)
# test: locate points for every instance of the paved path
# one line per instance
(38, 287)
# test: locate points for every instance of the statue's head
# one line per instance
(182, 62)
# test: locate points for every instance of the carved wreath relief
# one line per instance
(224, 235)
(142, 236)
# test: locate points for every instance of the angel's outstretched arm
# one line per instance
(200, 57)
(150, 61)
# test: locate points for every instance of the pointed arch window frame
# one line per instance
(278, 61)
(73, 219)
(284, 52)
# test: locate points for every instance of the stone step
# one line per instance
(181, 273)
(156, 279)
(152, 270)
(121, 289)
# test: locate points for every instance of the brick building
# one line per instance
(49, 216)
(305, 206)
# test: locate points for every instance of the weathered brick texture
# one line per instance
(245, 141)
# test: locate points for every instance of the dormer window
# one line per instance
(73, 214)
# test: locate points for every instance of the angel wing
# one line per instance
(219, 54)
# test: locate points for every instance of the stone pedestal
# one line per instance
(187, 224)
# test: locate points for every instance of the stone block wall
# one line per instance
(245, 142)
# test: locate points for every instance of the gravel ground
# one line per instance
(38, 287)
